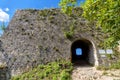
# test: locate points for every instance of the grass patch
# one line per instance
(104, 73)
(102, 68)
(115, 65)
(51, 71)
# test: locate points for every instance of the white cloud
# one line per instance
(6, 9)
(4, 17)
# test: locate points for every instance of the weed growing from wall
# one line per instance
(69, 34)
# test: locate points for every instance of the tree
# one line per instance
(2, 26)
(67, 6)
(106, 14)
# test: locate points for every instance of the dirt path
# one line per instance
(90, 73)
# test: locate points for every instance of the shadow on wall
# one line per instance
(5, 72)
(82, 52)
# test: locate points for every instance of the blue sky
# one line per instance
(78, 51)
(8, 7)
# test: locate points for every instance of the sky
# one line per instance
(78, 51)
(8, 7)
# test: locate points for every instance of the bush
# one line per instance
(65, 75)
(51, 71)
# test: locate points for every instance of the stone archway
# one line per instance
(87, 54)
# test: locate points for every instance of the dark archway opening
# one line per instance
(80, 51)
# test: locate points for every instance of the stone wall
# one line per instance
(36, 37)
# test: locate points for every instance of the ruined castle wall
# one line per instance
(39, 36)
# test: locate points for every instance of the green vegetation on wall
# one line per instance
(105, 13)
(67, 6)
(69, 34)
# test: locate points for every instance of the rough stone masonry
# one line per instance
(36, 37)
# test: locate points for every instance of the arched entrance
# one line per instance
(82, 52)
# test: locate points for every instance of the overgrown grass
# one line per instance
(51, 71)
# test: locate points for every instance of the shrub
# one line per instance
(51, 71)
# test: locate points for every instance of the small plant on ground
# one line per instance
(52, 71)
(102, 68)
(115, 65)
(104, 73)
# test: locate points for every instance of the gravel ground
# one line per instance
(90, 73)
